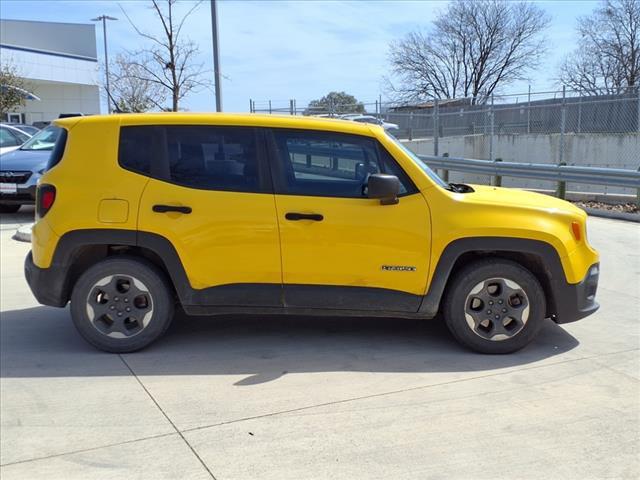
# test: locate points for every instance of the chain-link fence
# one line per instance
(559, 127)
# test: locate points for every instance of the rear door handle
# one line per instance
(294, 216)
(171, 208)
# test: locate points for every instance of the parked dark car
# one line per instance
(21, 169)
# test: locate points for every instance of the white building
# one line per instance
(59, 62)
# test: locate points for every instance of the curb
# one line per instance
(629, 217)
(23, 233)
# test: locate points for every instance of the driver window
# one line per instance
(330, 164)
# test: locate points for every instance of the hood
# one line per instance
(25, 160)
(521, 198)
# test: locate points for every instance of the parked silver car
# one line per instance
(11, 137)
(30, 130)
(390, 127)
(21, 169)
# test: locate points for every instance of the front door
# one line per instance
(210, 196)
(340, 249)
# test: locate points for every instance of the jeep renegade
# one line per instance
(244, 213)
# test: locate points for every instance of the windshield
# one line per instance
(432, 175)
(367, 120)
(43, 140)
(28, 129)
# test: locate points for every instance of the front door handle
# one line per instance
(294, 216)
(171, 208)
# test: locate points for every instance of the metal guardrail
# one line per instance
(559, 173)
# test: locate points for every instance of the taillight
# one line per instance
(45, 198)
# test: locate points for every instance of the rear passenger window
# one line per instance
(213, 158)
(203, 157)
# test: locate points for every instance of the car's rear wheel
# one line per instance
(494, 306)
(122, 304)
(9, 208)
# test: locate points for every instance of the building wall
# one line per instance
(589, 150)
(59, 64)
(51, 67)
(73, 39)
(57, 98)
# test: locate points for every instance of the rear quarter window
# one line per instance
(58, 149)
(135, 152)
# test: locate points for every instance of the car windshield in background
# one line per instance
(43, 140)
(28, 129)
(432, 175)
(367, 120)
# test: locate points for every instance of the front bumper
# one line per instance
(576, 301)
(48, 285)
(25, 194)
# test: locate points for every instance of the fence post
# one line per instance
(251, 106)
(270, 107)
(638, 92)
(410, 125)
(491, 129)
(436, 126)
(445, 172)
(290, 107)
(497, 179)
(529, 110)
(580, 114)
(562, 186)
(295, 107)
(638, 192)
(380, 104)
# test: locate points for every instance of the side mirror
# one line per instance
(385, 187)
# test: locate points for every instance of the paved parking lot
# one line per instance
(294, 398)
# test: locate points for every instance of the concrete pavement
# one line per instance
(266, 397)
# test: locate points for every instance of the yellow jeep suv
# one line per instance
(259, 214)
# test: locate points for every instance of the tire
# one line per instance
(9, 208)
(494, 306)
(122, 304)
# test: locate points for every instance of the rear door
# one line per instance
(341, 249)
(210, 195)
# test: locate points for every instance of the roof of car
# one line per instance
(238, 119)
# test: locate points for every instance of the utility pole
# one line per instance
(216, 55)
(103, 19)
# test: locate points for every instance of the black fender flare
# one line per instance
(65, 266)
(491, 245)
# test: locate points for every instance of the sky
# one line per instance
(281, 50)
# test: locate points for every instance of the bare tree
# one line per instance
(170, 60)
(131, 89)
(472, 48)
(13, 88)
(607, 59)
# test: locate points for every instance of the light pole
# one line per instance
(216, 55)
(104, 19)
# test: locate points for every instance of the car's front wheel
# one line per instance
(494, 306)
(122, 304)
